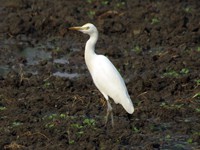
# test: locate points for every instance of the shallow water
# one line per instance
(35, 53)
(4, 69)
(66, 75)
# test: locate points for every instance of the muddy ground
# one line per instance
(48, 99)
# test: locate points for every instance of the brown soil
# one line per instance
(154, 44)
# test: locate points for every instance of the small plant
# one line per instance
(63, 116)
(196, 133)
(76, 125)
(168, 137)
(47, 84)
(137, 49)
(184, 71)
(120, 4)
(80, 133)
(2, 108)
(163, 104)
(69, 138)
(171, 73)
(197, 95)
(177, 106)
(16, 123)
(91, 14)
(90, 1)
(56, 50)
(155, 20)
(197, 110)
(89, 122)
(52, 116)
(171, 106)
(153, 127)
(198, 49)
(135, 130)
(104, 2)
(197, 82)
(79, 129)
(54, 119)
(187, 9)
(71, 142)
(50, 125)
(190, 141)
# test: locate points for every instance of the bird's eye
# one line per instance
(87, 28)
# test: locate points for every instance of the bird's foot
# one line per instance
(107, 116)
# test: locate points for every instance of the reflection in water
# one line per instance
(34, 55)
(61, 61)
(65, 74)
(4, 70)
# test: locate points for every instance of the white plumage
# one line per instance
(105, 76)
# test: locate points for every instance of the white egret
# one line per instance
(105, 76)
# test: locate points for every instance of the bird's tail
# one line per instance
(128, 105)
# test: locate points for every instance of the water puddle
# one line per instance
(35, 55)
(4, 70)
(66, 75)
(61, 61)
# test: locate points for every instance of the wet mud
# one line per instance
(48, 99)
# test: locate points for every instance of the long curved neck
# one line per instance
(90, 49)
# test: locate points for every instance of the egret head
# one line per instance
(87, 28)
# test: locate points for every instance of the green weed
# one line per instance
(197, 110)
(137, 49)
(171, 73)
(2, 108)
(76, 125)
(197, 133)
(80, 133)
(171, 106)
(198, 49)
(16, 124)
(153, 127)
(155, 20)
(120, 4)
(50, 125)
(63, 116)
(54, 119)
(71, 142)
(197, 82)
(135, 130)
(90, 1)
(168, 137)
(190, 140)
(197, 95)
(91, 14)
(46, 84)
(105, 2)
(184, 71)
(89, 122)
(52, 116)
(187, 9)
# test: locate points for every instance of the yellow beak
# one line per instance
(75, 28)
(78, 28)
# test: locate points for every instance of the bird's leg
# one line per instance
(109, 111)
(112, 120)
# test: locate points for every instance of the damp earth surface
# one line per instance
(48, 99)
